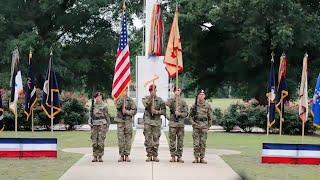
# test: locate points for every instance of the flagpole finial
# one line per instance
(124, 5)
(30, 55)
(272, 56)
(30, 52)
(51, 49)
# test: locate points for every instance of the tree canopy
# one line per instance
(226, 44)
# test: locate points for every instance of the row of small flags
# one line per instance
(278, 96)
(50, 87)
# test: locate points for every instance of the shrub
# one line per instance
(247, 116)
(73, 112)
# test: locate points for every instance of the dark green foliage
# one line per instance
(73, 112)
(247, 116)
(80, 32)
(228, 43)
(217, 114)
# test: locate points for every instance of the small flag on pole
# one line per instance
(282, 91)
(50, 88)
(303, 92)
(15, 81)
(173, 56)
(31, 96)
(155, 47)
(316, 104)
(271, 95)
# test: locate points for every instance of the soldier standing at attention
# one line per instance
(126, 109)
(99, 122)
(154, 108)
(178, 113)
(201, 119)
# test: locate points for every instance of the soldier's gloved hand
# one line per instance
(177, 113)
(153, 111)
(126, 112)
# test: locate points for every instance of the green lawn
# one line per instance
(222, 103)
(47, 168)
(247, 164)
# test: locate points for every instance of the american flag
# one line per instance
(122, 76)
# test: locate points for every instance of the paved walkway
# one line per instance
(138, 169)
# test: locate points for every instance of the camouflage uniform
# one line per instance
(201, 120)
(124, 124)
(100, 124)
(176, 126)
(152, 124)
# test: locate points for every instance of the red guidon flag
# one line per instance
(155, 47)
(173, 57)
(122, 76)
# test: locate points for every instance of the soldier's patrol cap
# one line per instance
(201, 91)
(98, 93)
(152, 87)
(175, 88)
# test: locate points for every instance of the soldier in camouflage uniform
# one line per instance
(126, 109)
(176, 125)
(201, 118)
(154, 108)
(99, 122)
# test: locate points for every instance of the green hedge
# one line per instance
(247, 116)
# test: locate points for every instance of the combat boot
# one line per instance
(173, 159)
(121, 159)
(100, 159)
(127, 159)
(179, 159)
(155, 159)
(94, 159)
(149, 159)
(203, 161)
(196, 160)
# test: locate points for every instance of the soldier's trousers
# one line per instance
(98, 135)
(152, 135)
(199, 142)
(176, 135)
(124, 138)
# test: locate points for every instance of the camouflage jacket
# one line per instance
(159, 106)
(202, 116)
(130, 107)
(177, 121)
(100, 115)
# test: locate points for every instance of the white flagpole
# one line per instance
(51, 114)
(32, 128)
(51, 94)
(16, 121)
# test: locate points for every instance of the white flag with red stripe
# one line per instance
(122, 76)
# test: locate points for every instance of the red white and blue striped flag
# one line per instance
(122, 76)
(290, 153)
(28, 147)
